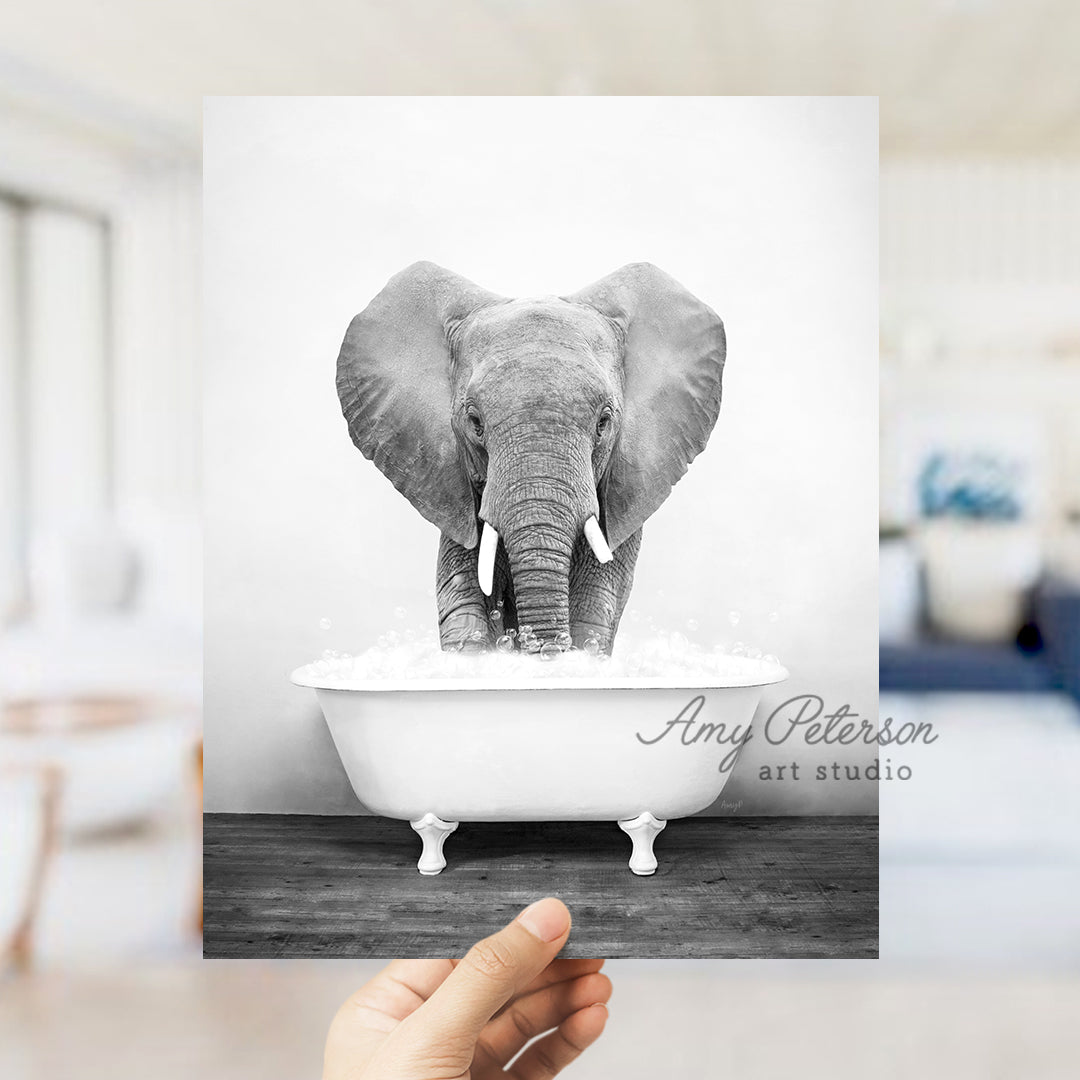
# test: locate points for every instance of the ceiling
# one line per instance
(954, 76)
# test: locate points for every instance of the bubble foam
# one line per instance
(669, 657)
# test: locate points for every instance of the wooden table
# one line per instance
(303, 886)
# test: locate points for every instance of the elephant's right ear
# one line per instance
(393, 379)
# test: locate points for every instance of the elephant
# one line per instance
(537, 434)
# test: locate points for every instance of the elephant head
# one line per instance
(530, 423)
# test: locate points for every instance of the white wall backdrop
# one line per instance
(765, 208)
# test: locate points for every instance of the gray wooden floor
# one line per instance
(300, 886)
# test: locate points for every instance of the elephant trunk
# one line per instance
(540, 568)
(539, 501)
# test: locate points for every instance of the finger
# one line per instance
(396, 992)
(492, 972)
(556, 972)
(538, 1012)
(548, 1056)
(420, 977)
(572, 965)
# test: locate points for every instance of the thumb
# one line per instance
(492, 972)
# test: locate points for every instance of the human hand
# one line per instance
(465, 1020)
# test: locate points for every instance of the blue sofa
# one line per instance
(1046, 657)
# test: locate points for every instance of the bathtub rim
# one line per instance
(777, 674)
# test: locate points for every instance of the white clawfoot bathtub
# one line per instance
(634, 751)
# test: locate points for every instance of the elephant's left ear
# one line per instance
(674, 349)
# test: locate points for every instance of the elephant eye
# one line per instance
(476, 425)
(603, 423)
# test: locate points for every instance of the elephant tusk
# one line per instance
(485, 564)
(595, 536)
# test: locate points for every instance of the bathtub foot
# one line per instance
(643, 830)
(433, 831)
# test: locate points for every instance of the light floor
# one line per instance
(830, 1020)
(980, 849)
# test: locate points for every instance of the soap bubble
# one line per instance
(733, 618)
(477, 635)
(325, 624)
(502, 655)
(495, 616)
(691, 625)
(400, 613)
(770, 659)
(511, 633)
(526, 630)
(563, 640)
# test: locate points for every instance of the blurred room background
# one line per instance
(100, 549)
(980, 551)
(99, 579)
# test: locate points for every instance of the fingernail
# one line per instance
(547, 919)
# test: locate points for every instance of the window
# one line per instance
(56, 427)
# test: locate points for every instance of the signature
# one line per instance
(804, 714)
